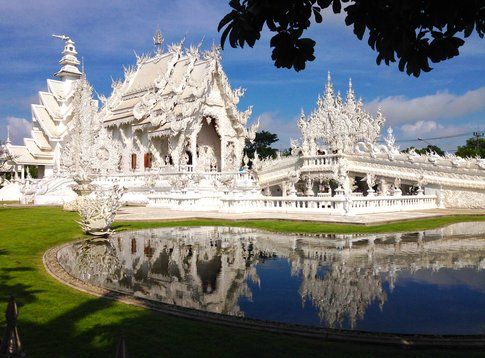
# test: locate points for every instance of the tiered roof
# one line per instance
(51, 114)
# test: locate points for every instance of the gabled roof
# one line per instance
(173, 74)
(51, 105)
(22, 155)
(43, 118)
(40, 140)
(56, 88)
(35, 151)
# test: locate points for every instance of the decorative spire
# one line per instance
(158, 41)
(69, 61)
(340, 126)
(350, 93)
(8, 136)
(329, 87)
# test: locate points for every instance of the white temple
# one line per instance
(171, 134)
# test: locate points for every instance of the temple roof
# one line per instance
(165, 83)
(51, 114)
(22, 155)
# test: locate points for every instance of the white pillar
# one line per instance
(193, 149)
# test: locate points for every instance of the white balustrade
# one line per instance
(329, 205)
(321, 160)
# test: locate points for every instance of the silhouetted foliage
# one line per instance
(286, 152)
(472, 148)
(412, 32)
(427, 150)
(34, 171)
(262, 143)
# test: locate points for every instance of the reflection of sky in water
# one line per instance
(427, 282)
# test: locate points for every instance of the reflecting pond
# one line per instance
(423, 282)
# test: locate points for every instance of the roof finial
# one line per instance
(350, 93)
(158, 40)
(69, 60)
(329, 87)
(8, 136)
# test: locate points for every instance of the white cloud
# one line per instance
(431, 129)
(442, 105)
(284, 128)
(19, 129)
(420, 128)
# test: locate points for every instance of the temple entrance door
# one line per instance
(208, 147)
(189, 157)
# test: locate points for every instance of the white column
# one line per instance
(223, 154)
(193, 148)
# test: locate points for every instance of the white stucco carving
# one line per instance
(98, 212)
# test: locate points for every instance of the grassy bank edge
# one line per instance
(308, 227)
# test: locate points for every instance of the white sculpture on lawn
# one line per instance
(98, 212)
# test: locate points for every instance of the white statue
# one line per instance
(98, 213)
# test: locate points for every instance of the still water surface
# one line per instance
(422, 282)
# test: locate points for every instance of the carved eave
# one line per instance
(231, 98)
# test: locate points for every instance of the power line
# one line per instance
(435, 138)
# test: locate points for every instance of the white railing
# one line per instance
(339, 205)
(271, 172)
(142, 179)
(376, 204)
(321, 160)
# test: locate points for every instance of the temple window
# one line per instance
(133, 161)
(147, 160)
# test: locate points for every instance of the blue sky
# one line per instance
(449, 100)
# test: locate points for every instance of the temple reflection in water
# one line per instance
(214, 268)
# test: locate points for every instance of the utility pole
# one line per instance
(477, 136)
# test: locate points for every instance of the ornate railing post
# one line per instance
(11, 345)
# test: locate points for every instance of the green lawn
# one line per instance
(57, 321)
(311, 227)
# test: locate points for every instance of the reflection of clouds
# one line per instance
(448, 277)
(210, 268)
(345, 292)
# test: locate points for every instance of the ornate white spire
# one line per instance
(341, 126)
(8, 141)
(329, 87)
(69, 61)
(350, 93)
(158, 41)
